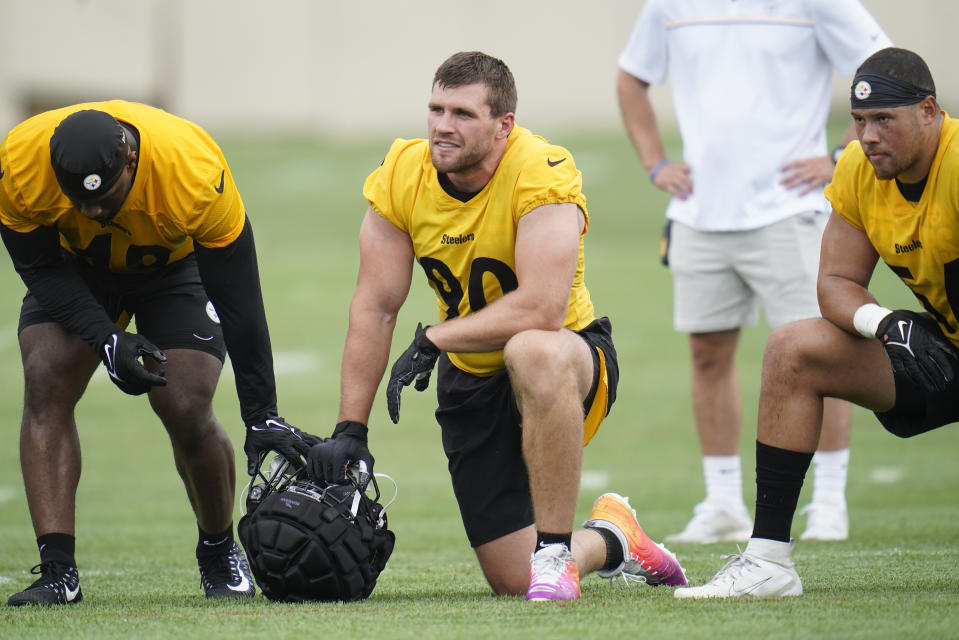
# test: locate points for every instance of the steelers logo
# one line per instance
(92, 182)
(211, 312)
(862, 90)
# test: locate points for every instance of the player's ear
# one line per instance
(929, 108)
(506, 124)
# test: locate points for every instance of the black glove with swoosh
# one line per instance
(917, 350)
(329, 460)
(416, 363)
(275, 434)
(121, 353)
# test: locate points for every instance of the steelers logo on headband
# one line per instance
(875, 90)
(92, 182)
(88, 151)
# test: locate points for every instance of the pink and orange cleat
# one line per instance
(643, 559)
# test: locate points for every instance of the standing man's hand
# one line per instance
(808, 174)
(674, 178)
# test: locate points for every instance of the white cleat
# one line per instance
(764, 570)
(714, 522)
(825, 521)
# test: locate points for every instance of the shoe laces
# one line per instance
(219, 569)
(51, 573)
(738, 563)
(548, 565)
(626, 578)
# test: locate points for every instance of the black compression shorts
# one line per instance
(918, 410)
(170, 307)
(480, 422)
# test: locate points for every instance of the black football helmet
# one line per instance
(307, 540)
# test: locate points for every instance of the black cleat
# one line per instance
(58, 584)
(227, 576)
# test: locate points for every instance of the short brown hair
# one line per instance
(470, 67)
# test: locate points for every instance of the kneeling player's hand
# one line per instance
(329, 461)
(275, 434)
(917, 349)
(121, 353)
(416, 363)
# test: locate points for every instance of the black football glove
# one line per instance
(275, 434)
(330, 459)
(416, 363)
(121, 353)
(917, 350)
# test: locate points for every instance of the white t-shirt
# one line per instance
(752, 83)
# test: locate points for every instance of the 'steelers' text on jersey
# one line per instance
(467, 248)
(918, 240)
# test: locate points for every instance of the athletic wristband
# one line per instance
(867, 319)
(656, 168)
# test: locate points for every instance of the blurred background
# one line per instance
(305, 97)
(347, 69)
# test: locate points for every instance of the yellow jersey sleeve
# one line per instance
(183, 191)
(919, 241)
(391, 188)
(841, 191)
(467, 249)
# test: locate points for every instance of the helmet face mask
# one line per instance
(311, 541)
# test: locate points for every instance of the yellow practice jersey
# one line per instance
(183, 192)
(467, 248)
(918, 240)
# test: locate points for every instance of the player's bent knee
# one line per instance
(508, 585)
(798, 345)
(537, 352)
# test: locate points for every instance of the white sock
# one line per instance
(724, 480)
(829, 476)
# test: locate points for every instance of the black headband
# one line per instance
(88, 150)
(874, 90)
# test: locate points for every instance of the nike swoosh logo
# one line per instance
(108, 349)
(270, 425)
(220, 188)
(71, 593)
(213, 544)
(553, 163)
(902, 331)
(737, 591)
(243, 586)
(202, 337)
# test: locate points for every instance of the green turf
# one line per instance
(894, 578)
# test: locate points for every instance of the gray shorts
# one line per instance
(720, 278)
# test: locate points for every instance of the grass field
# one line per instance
(894, 578)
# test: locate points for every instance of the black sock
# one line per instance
(779, 478)
(214, 544)
(614, 549)
(543, 539)
(57, 547)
